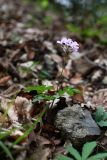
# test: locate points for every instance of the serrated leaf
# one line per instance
(6, 150)
(98, 156)
(74, 152)
(87, 149)
(62, 157)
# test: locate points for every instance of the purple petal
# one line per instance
(64, 40)
(75, 46)
(69, 41)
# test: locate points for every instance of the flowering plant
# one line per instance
(68, 45)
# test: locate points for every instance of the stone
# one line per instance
(104, 81)
(76, 124)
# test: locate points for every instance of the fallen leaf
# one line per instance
(7, 106)
(100, 99)
(78, 97)
(4, 80)
(76, 79)
(23, 107)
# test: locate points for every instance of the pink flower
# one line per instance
(75, 46)
(63, 41)
(68, 43)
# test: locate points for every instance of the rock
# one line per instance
(76, 124)
(104, 81)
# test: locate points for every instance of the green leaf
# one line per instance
(61, 92)
(62, 157)
(71, 91)
(42, 97)
(6, 150)
(74, 152)
(39, 89)
(99, 114)
(98, 156)
(87, 149)
(102, 123)
(105, 116)
(101, 117)
(38, 98)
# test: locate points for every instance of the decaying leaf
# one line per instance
(100, 99)
(97, 75)
(7, 106)
(18, 109)
(23, 107)
(41, 151)
(77, 79)
(79, 97)
(4, 80)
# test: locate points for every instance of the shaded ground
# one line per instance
(29, 55)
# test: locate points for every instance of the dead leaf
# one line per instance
(12, 91)
(3, 118)
(49, 45)
(41, 151)
(23, 107)
(100, 99)
(4, 80)
(76, 79)
(7, 106)
(78, 97)
(97, 75)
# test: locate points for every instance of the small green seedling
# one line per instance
(100, 117)
(43, 92)
(87, 150)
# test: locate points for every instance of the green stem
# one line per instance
(60, 76)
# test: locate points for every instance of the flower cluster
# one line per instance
(67, 43)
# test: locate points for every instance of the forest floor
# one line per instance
(30, 56)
